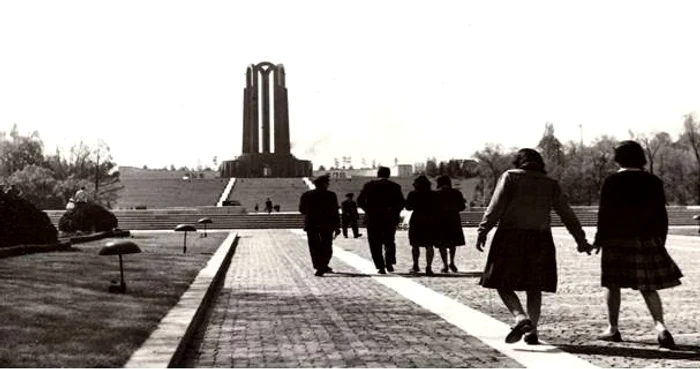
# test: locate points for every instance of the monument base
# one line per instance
(266, 165)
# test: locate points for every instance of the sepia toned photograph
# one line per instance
(349, 184)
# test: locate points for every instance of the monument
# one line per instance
(257, 104)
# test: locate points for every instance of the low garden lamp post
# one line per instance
(185, 228)
(205, 221)
(119, 248)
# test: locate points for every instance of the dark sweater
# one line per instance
(632, 204)
(320, 209)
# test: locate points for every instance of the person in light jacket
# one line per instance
(522, 255)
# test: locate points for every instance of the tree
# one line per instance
(493, 161)
(431, 169)
(19, 151)
(552, 152)
(652, 144)
(691, 137)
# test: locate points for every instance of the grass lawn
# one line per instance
(683, 231)
(55, 310)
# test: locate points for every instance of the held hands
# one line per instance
(587, 248)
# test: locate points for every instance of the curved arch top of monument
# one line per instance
(265, 66)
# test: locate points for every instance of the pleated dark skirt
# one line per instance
(521, 260)
(640, 264)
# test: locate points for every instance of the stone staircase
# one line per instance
(235, 218)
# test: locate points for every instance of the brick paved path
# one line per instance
(273, 312)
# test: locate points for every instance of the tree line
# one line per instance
(49, 180)
(581, 168)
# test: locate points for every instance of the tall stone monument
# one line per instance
(257, 104)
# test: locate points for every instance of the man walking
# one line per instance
(350, 216)
(382, 201)
(321, 221)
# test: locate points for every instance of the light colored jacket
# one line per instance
(524, 199)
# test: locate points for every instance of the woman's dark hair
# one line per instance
(630, 154)
(444, 181)
(422, 183)
(529, 159)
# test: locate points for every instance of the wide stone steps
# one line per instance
(169, 218)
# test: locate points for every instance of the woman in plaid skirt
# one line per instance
(632, 228)
(522, 255)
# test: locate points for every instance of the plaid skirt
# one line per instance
(521, 260)
(640, 264)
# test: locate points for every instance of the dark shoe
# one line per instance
(381, 271)
(429, 272)
(358, 235)
(414, 270)
(328, 270)
(390, 268)
(319, 273)
(666, 340)
(518, 330)
(531, 339)
(444, 270)
(453, 268)
(611, 337)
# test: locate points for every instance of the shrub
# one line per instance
(88, 217)
(21, 223)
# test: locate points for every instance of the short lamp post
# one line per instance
(185, 228)
(119, 248)
(205, 221)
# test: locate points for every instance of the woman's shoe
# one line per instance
(414, 270)
(444, 270)
(666, 340)
(429, 272)
(611, 337)
(531, 339)
(518, 330)
(453, 268)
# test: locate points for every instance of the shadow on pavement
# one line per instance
(443, 275)
(684, 352)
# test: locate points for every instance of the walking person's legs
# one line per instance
(388, 238)
(415, 253)
(314, 240)
(534, 308)
(345, 227)
(523, 324)
(653, 301)
(443, 256)
(355, 229)
(374, 238)
(326, 247)
(612, 301)
(429, 255)
(453, 251)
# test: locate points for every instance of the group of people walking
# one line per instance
(631, 232)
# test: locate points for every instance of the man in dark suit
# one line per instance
(350, 216)
(382, 201)
(321, 223)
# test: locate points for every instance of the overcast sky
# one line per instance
(161, 81)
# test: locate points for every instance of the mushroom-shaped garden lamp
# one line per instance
(119, 248)
(185, 228)
(205, 221)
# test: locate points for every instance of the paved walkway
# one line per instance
(272, 312)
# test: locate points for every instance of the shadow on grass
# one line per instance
(684, 352)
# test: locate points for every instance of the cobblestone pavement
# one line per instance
(272, 312)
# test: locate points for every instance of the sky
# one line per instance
(161, 82)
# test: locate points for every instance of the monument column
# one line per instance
(265, 109)
(282, 144)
